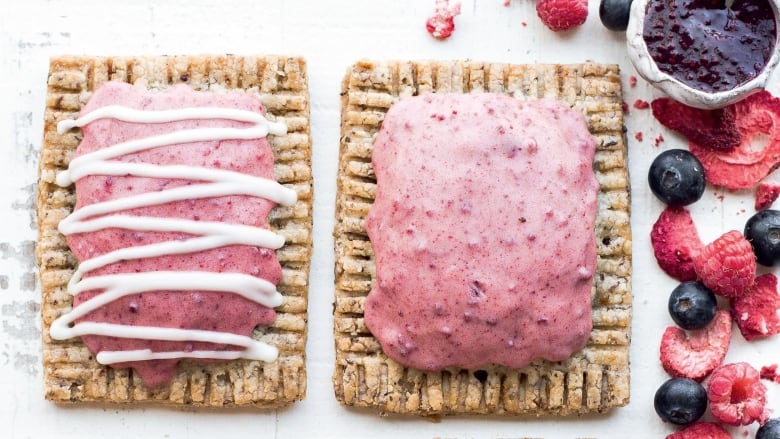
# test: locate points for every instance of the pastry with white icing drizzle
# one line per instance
(170, 228)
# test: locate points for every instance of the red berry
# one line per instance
(714, 128)
(736, 395)
(727, 265)
(770, 373)
(756, 311)
(744, 166)
(561, 15)
(696, 353)
(766, 194)
(676, 243)
(701, 430)
(442, 23)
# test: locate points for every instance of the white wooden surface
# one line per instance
(331, 34)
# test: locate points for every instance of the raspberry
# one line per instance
(766, 194)
(696, 353)
(561, 15)
(747, 164)
(727, 265)
(770, 373)
(701, 430)
(442, 23)
(736, 395)
(676, 243)
(641, 105)
(756, 311)
(714, 128)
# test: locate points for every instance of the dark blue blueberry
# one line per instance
(770, 430)
(692, 305)
(614, 14)
(680, 401)
(676, 177)
(763, 232)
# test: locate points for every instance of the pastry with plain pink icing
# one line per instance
(482, 231)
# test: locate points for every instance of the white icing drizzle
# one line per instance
(208, 235)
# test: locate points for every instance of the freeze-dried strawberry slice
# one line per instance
(756, 311)
(676, 243)
(758, 121)
(714, 128)
(736, 394)
(727, 265)
(701, 430)
(766, 194)
(695, 354)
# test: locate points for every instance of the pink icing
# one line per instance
(189, 309)
(483, 231)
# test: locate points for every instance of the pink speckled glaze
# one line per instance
(189, 309)
(483, 231)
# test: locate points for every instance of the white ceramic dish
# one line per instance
(647, 68)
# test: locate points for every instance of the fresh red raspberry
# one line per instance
(727, 265)
(701, 430)
(736, 395)
(695, 354)
(561, 15)
(756, 311)
(766, 194)
(676, 243)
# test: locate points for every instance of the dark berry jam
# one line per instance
(708, 45)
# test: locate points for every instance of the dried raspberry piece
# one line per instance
(756, 311)
(701, 430)
(736, 395)
(744, 166)
(676, 243)
(696, 353)
(641, 105)
(727, 265)
(714, 128)
(766, 194)
(770, 373)
(561, 15)
(442, 23)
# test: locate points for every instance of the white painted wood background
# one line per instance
(331, 34)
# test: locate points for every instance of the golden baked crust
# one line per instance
(592, 380)
(70, 372)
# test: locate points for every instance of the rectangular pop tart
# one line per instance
(483, 241)
(175, 216)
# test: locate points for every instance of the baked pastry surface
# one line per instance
(594, 379)
(71, 373)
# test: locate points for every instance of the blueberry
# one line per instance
(614, 14)
(676, 177)
(680, 401)
(770, 430)
(692, 305)
(763, 232)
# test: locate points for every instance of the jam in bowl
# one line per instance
(705, 53)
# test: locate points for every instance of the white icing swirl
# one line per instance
(210, 235)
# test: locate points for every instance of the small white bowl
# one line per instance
(647, 68)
